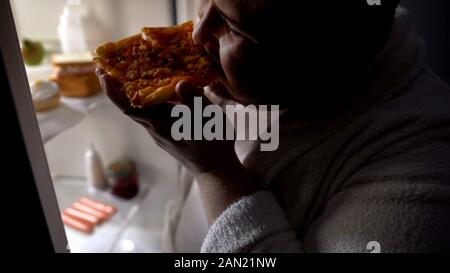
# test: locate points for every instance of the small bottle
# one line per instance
(95, 174)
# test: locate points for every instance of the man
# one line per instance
(364, 156)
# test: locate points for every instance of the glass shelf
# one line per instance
(106, 236)
(71, 110)
(53, 122)
(69, 113)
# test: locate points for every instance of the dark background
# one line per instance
(432, 20)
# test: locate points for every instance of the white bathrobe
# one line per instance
(376, 175)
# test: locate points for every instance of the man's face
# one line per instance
(268, 49)
(227, 29)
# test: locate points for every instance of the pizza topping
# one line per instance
(150, 65)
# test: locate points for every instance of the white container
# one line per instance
(95, 174)
(79, 28)
(71, 28)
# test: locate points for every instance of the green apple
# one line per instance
(33, 52)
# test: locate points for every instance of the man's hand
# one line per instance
(197, 155)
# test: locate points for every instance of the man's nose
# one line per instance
(204, 33)
(198, 33)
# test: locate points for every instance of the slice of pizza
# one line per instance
(150, 64)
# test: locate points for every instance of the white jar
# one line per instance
(79, 28)
(70, 29)
(95, 174)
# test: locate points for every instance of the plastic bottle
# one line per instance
(79, 28)
(71, 29)
(95, 174)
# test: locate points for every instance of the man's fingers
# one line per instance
(156, 112)
(186, 92)
(156, 119)
(113, 89)
(99, 72)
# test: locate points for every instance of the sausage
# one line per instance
(90, 210)
(82, 216)
(98, 206)
(77, 225)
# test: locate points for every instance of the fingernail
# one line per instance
(99, 72)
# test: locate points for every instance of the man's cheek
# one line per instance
(229, 62)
